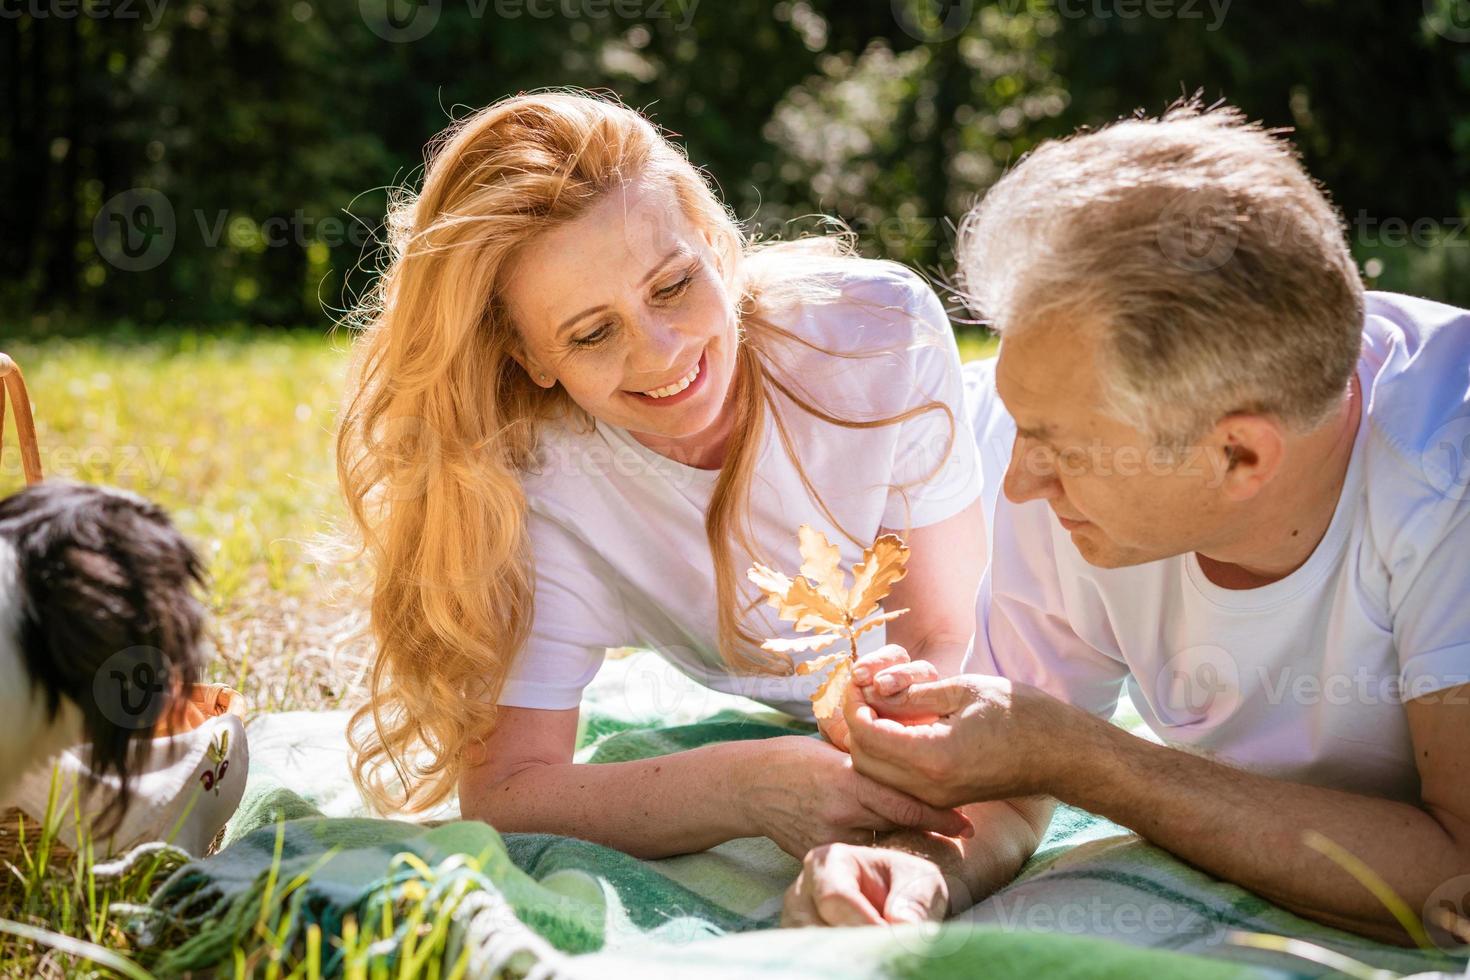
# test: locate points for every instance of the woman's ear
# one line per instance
(538, 374)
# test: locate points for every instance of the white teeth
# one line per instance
(676, 387)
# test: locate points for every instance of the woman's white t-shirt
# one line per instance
(617, 531)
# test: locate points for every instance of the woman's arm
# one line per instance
(796, 790)
(946, 561)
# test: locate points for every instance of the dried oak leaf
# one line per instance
(818, 598)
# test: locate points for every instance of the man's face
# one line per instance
(1123, 501)
(623, 307)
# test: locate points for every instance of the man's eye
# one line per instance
(595, 337)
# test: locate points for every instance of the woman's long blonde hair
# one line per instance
(440, 420)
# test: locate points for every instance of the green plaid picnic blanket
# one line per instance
(1094, 901)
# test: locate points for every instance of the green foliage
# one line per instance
(273, 128)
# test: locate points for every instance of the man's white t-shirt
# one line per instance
(1304, 678)
(617, 531)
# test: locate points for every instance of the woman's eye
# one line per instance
(669, 292)
(595, 337)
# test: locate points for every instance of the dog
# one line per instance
(100, 630)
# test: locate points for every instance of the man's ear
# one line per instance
(1246, 452)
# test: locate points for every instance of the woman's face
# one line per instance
(626, 307)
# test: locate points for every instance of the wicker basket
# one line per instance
(12, 383)
(197, 705)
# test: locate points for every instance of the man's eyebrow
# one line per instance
(1037, 432)
(573, 320)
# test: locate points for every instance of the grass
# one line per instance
(231, 431)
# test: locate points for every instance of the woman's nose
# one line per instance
(661, 345)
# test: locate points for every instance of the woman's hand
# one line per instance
(802, 793)
(843, 885)
(883, 677)
(887, 671)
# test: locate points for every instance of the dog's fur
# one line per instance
(91, 576)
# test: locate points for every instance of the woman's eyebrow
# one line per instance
(573, 320)
(677, 251)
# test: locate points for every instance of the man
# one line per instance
(1217, 473)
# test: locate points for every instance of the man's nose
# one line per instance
(1031, 474)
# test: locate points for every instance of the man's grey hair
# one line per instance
(1214, 266)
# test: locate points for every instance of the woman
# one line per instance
(582, 406)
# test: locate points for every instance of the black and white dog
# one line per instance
(99, 628)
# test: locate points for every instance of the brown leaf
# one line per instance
(821, 663)
(822, 564)
(863, 627)
(796, 601)
(883, 564)
(827, 701)
(773, 583)
(810, 609)
(801, 644)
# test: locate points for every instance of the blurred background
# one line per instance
(194, 191)
(226, 161)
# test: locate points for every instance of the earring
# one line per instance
(543, 377)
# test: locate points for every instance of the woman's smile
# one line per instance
(680, 390)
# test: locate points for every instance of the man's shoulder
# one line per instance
(1418, 353)
(1417, 403)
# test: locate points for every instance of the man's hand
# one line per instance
(988, 739)
(850, 885)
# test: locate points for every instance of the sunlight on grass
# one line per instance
(231, 432)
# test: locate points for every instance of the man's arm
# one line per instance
(1007, 833)
(916, 877)
(1251, 829)
(994, 740)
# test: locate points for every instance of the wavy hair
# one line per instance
(440, 419)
